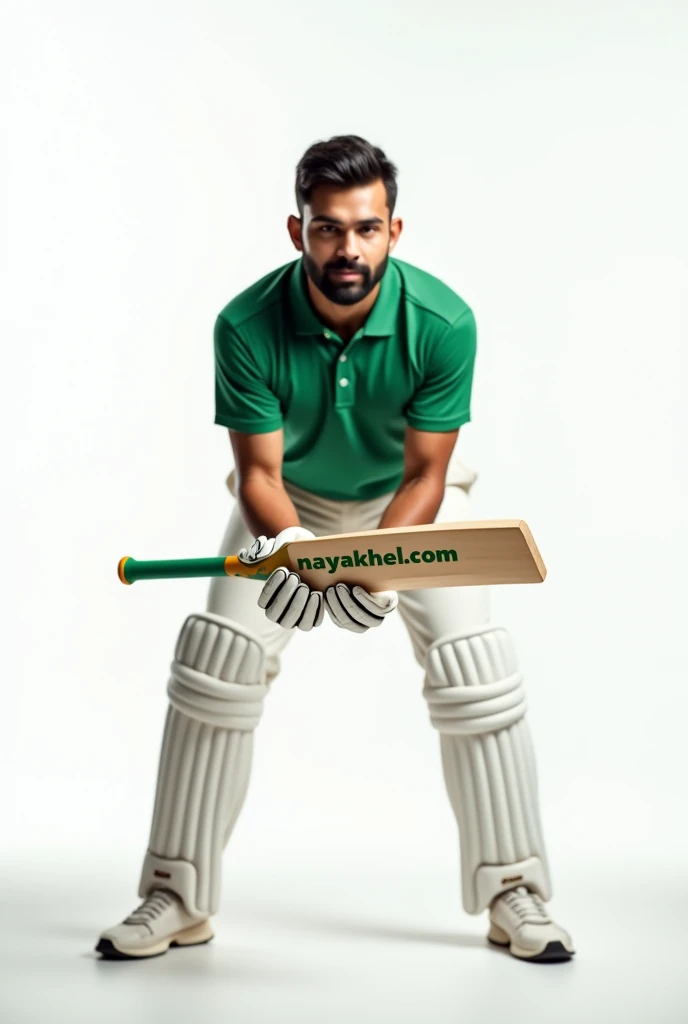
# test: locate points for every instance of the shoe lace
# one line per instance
(152, 907)
(526, 905)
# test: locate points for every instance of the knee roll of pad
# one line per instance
(473, 682)
(218, 674)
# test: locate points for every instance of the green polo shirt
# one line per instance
(344, 407)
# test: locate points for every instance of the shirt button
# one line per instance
(342, 359)
(343, 382)
(326, 334)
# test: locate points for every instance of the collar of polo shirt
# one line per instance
(381, 322)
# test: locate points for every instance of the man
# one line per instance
(344, 378)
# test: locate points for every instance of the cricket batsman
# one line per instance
(343, 378)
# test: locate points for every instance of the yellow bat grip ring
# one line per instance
(120, 570)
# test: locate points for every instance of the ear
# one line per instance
(395, 229)
(294, 229)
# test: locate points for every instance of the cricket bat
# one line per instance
(462, 554)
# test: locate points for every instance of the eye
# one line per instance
(326, 229)
(370, 227)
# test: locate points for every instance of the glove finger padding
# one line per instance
(338, 613)
(260, 548)
(289, 602)
(263, 546)
(356, 609)
(314, 612)
(381, 602)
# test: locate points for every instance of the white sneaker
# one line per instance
(160, 922)
(519, 920)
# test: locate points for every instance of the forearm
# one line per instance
(416, 502)
(265, 505)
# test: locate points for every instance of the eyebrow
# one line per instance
(333, 220)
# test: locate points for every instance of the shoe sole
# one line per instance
(198, 935)
(554, 952)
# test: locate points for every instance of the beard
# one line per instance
(344, 293)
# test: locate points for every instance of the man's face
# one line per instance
(346, 237)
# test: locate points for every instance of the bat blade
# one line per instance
(469, 553)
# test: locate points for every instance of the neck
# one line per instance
(344, 320)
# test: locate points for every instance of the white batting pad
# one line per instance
(477, 702)
(216, 691)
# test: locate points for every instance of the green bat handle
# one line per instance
(130, 570)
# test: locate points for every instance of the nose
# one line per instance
(348, 246)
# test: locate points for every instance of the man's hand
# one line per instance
(286, 599)
(355, 609)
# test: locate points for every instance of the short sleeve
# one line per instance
(443, 400)
(243, 400)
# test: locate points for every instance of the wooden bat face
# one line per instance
(417, 557)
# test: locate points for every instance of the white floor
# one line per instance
(327, 942)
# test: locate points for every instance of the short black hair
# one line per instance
(346, 160)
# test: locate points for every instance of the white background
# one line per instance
(148, 161)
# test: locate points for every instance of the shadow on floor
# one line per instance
(333, 924)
